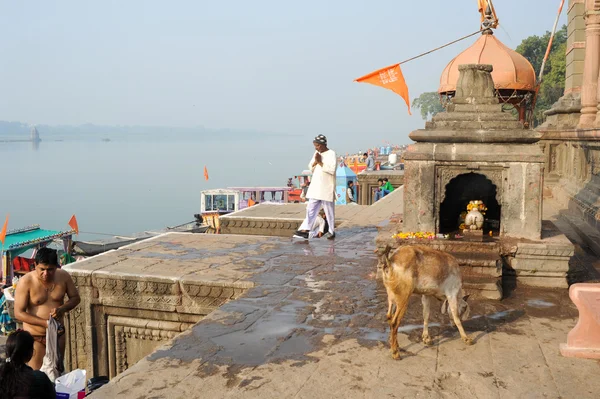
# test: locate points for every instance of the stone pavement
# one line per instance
(312, 325)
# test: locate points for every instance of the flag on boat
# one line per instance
(205, 173)
(251, 202)
(3, 232)
(73, 224)
(389, 78)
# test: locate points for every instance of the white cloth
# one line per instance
(52, 364)
(322, 182)
(318, 227)
(312, 211)
(350, 194)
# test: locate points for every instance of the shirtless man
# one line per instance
(39, 295)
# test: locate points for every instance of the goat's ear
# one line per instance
(445, 306)
(466, 297)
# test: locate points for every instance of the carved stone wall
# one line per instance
(122, 318)
(574, 173)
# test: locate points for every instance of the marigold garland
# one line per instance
(420, 235)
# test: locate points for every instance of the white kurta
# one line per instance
(322, 182)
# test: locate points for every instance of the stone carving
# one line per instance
(130, 339)
(475, 85)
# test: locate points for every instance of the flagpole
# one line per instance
(560, 7)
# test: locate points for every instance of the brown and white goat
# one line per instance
(419, 269)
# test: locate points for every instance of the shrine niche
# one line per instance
(459, 192)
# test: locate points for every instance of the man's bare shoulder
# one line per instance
(26, 279)
(62, 275)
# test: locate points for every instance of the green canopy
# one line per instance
(31, 236)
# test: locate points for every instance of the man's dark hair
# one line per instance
(380, 180)
(47, 256)
(350, 183)
(385, 179)
(365, 155)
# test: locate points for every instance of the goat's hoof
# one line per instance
(427, 340)
(468, 341)
(396, 355)
(388, 316)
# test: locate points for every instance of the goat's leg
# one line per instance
(453, 305)
(390, 296)
(426, 306)
(401, 301)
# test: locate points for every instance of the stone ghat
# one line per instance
(311, 324)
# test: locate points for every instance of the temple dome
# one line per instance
(511, 71)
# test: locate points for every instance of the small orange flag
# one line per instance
(205, 173)
(251, 202)
(3, 232)
(389, 78)
(73, 224)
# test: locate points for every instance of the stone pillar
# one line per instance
(575, 55)
(589, 99)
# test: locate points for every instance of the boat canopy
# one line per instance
(32, 236)
(20, 241)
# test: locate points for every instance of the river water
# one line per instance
(135, 183)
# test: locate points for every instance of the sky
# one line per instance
(276, 66)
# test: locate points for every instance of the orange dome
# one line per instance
(511, 70)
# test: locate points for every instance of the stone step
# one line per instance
(475, 108)
(474, 116)
(471, 124)
(483, 287)
(586, 233)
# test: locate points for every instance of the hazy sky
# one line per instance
(270, 65)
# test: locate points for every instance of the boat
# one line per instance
(296, 184)
(91, 248)
(217, 202)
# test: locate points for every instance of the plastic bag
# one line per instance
(71, 384)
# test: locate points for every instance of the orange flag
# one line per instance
(3, 232)
(389, 78)
(251, 202)
(205, 173)
(73, 224)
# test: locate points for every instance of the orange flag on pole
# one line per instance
(3, 232)
(73, 224)
(389, 78)
(205, 173)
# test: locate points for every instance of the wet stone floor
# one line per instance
(314, 326)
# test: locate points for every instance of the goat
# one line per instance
(422, 270)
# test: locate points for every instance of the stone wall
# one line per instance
(367, 181)
(574, 172)
(125, 315)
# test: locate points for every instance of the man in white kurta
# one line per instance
(321, 192)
